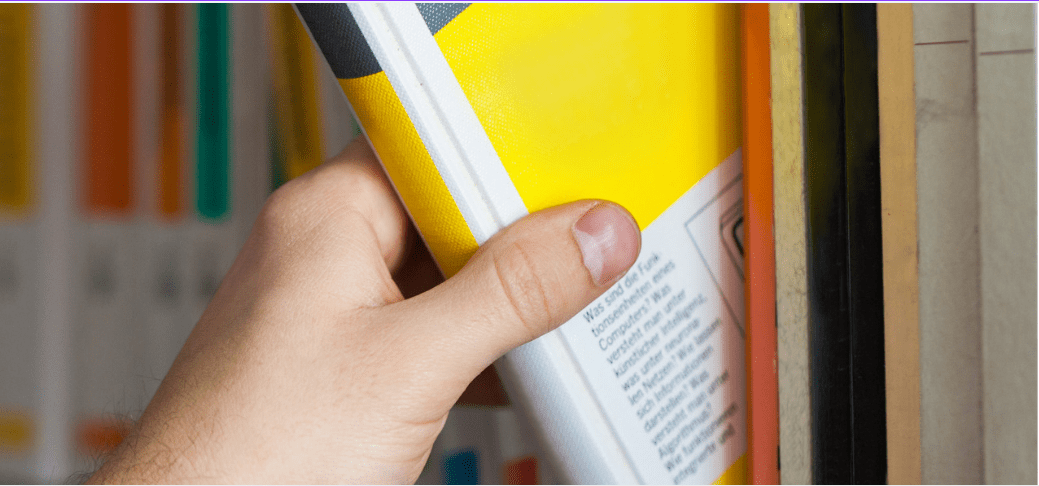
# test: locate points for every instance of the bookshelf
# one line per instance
(138, 143)
(115, 231)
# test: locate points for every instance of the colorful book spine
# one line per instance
(164, 187)
(105, 337)
(298, 114)
(211, 234)
(16, 187)
(213, 130)
(19, 215)
(518, 451)
(466, 451)
(762, 383)
(171, 174)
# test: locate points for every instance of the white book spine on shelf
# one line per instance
(251, 78)
(58, 105)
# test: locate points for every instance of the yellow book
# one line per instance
(298, 120)
(19, 240)
(483, 113)
(16, 101)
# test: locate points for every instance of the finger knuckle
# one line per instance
(526, 290)
(339, 190)
(281, 207)
(349, 179)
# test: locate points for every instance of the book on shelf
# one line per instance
(958, 151)
(759, 244)
(19, 241)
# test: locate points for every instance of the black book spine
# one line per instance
(846, 342)
(865, 246)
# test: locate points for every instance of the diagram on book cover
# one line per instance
(717, 233)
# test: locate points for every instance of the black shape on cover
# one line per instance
(336, 32)
(437, 15)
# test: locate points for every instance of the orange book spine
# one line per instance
(171, 161)
(762, 381)
(109, 113)
(107, 193)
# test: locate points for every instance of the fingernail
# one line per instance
(609, 240)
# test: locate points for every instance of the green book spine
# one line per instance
(212, 171)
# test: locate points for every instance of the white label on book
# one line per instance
(163, 293)
(107, 336)
(18, 345)
(663, 349)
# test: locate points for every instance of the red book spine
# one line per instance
(762, 381)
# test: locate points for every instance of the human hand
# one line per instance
(310, 366)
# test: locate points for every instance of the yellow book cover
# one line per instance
(481, 113)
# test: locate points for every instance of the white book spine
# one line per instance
(251, 79)
(57, 148)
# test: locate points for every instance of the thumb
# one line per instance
(527, 280)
